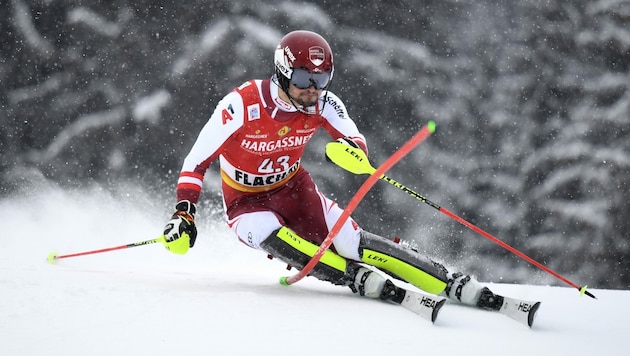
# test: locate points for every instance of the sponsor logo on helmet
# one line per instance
(289, 54)
(316, 55)
(282, 62)
(285, 71)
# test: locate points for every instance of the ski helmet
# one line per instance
(303, 58)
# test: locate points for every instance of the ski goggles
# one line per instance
(304, 79)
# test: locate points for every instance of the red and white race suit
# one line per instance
(259, 141)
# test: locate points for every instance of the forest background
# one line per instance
(531, 99)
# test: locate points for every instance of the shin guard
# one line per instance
(402, 263)
(287, 246)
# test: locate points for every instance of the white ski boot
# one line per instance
(463, 289)
(368, 283)
(467, 290)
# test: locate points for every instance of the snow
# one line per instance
(223, 298)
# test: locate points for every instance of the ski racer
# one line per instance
(258, 133)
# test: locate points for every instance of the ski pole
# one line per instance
(53, 256)
(359, 155)
(348, 161)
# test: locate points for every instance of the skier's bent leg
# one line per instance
(403, 263)
(424, 273)
(296, 251)
(286, 245)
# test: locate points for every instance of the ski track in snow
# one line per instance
(223, 298)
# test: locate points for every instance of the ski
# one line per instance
(523, 311)
(427, 306)
(520, 310)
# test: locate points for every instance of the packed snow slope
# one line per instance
(223, 298)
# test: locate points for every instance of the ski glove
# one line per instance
(346, 141)
(180, 232)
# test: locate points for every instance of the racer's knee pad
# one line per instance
(287, 246)
(402, 263)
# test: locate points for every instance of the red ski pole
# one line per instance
(485, 234)
(345, 161)
(360, 158)
(53, 256)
